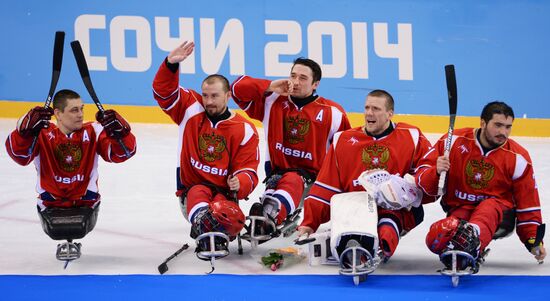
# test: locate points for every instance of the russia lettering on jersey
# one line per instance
(287, 151)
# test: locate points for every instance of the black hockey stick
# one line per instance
(85, 74)
(56, 71)
(453, 100)
(163, 267)
(538, 238)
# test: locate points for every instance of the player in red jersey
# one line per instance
(218, 151)
(488, 175)
(66, 156)
(378, 145)
(299, 126)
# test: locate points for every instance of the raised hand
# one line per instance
(113, 124)
(181, 52)
(34, 121)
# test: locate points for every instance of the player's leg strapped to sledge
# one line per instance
(278, 209)
(399, 210)
(215, 220)
(452, 237)
(474, 228)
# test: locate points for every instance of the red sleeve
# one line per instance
(110, 149)
(249, 94)
(317, 203)
(18, 147)
(526, 196)
(245, 163)
(422, 148)
(426, 173)
(173, 99)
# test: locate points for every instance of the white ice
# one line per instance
(140, 223)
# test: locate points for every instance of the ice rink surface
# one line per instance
(140, 223)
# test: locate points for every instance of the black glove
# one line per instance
(113, 124)
(34, 121)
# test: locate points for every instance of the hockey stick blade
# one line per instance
(451, 88)
(56, 72)
(452, 96)
(163, 267)
(540, 234)
(85, 74)
(538, 239)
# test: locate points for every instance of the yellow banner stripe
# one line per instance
(530, 127)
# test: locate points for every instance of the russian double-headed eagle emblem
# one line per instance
(479, 173)
(295, 129)
(68, 156)
(211, 146)
(375, 156)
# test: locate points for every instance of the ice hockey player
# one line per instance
(387, 151)
(218, 154)
(488, 175)
(65, 156)
(299, 127)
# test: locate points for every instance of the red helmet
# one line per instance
(229, 215)
(441, 232)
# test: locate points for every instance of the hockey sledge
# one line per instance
(67, 252)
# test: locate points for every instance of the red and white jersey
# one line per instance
(296, 137)
(208, 154)
(351, 153)
(67, 164)
(505, 173)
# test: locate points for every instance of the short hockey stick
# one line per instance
(85, 74)
(56, 71)
(163, 267)
(453, 99)
(538, 239)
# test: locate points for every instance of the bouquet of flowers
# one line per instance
(277, 258)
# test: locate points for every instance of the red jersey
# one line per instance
(67, 164)
(296, 137)
(505, 173)
(351, 153)
(208, 153)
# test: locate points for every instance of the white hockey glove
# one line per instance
(390, 191)
(370, 179)
(397, 193)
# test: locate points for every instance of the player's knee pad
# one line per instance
(68, 223)
(452, 233)
(262, 226)
(508, 224)
(271, 207)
